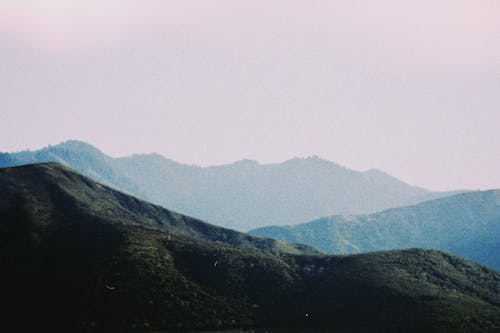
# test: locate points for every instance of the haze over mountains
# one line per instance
(243, 195)
(79, 256)
(466, 224)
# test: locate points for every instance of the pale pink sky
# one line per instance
(409, 87)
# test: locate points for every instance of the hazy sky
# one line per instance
(409, 87)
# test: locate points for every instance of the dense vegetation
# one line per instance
(79, 256)
(243, 195)
(466, 224)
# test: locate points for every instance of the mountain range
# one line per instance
(243, 195)
(466, 224)
(77, 255)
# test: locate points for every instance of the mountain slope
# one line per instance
(466, 224)
(243, 195)
(84, 196)
(79, 256)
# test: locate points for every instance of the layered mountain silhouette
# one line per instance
(466, 224)
(77, 255)
(243, 195)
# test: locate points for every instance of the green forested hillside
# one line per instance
(466, 224)
(78, 256)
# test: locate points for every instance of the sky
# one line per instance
(408, 87)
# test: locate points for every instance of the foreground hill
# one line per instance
(78, 256)
(243, 195)
(466, 224)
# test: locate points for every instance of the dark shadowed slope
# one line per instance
(60, 190)
(78, 256)
(243, 195)
(466, 224)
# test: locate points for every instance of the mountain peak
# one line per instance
(76, 146)
(311, 160)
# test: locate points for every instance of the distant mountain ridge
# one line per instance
(466, 224)
(78, 256)
(243, 195)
